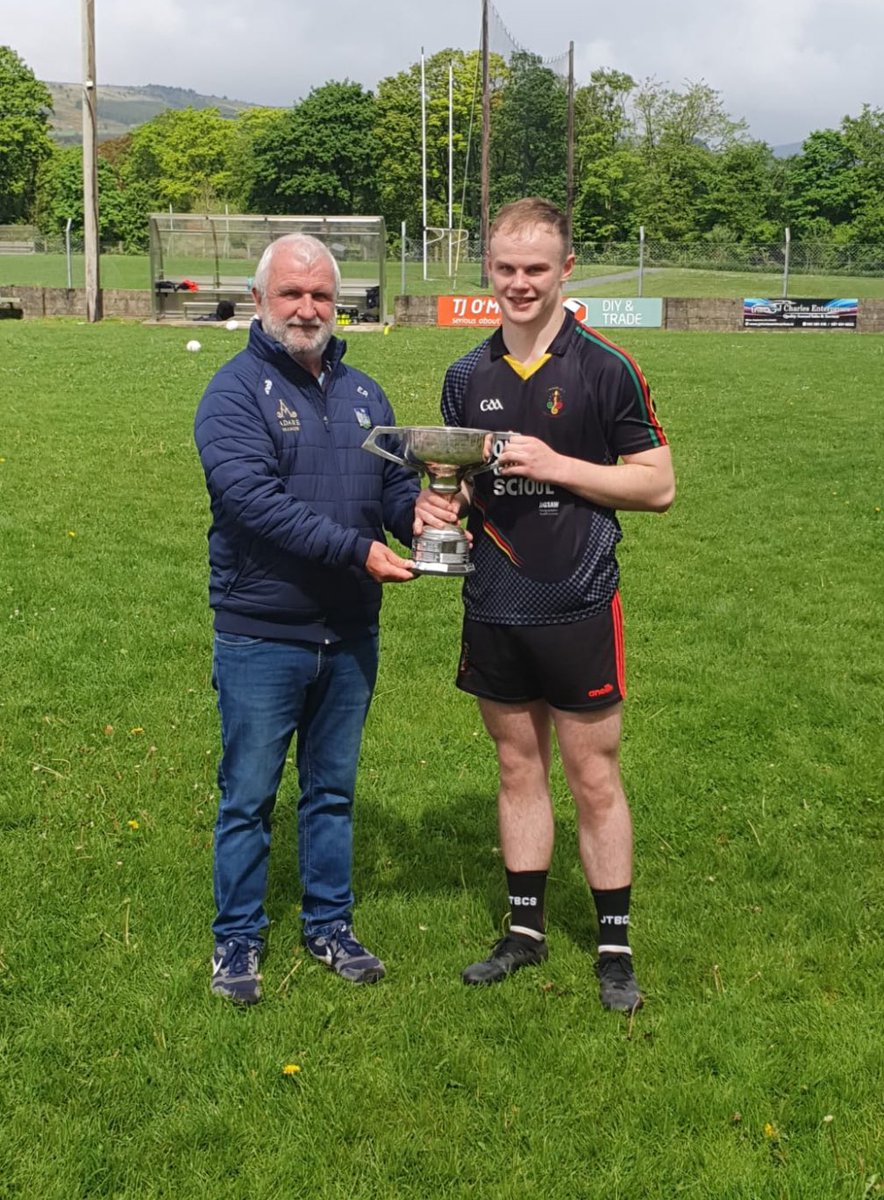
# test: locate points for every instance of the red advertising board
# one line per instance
(479, 312)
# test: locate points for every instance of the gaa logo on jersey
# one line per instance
(554, 402)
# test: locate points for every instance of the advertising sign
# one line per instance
(481, 312)
(800, 314)
(605, 313)
(478, 312)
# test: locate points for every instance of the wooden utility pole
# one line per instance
(569, 208)
(486, 137)
(90, 174)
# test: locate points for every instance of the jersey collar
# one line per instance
(557, 346)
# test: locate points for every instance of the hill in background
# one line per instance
(120, 109)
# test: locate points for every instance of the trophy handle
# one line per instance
(373, 448)
(492, 462)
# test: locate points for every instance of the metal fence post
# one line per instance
(641, 259)
(67, 250)
(786, 262)
(403, 258)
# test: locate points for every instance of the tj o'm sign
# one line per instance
(483, 312)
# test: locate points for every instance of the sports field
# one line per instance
(752, 754)
(133, 272)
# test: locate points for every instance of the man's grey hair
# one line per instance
(304, 248)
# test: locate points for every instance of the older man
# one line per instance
(297, 556)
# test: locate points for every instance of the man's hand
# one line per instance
(437, 509)
(386, 567)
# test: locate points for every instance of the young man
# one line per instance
(543, 639)
(297, 556)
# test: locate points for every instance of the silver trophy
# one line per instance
(447, 455)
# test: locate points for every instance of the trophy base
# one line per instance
(453, 569)
(441, 552)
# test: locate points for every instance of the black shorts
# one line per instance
(576, 666)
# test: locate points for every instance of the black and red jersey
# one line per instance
(542, 554)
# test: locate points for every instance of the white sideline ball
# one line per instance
(232, 324)
(193, 346)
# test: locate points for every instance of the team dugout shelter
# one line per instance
(201, 264)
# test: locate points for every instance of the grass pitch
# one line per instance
(752, 756)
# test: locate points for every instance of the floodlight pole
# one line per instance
(91, 250)
(569, 206)
(485, 201)
(450, 160)
(424, 154)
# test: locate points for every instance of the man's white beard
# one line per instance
(300, 340)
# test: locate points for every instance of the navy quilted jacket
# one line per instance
(295, 501)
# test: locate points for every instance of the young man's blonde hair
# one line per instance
(521, 215)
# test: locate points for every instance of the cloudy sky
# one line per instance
(785, 66)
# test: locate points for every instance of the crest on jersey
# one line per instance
(554, 401)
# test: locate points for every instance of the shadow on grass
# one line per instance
(445, 849)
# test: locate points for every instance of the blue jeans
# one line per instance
(266, 691)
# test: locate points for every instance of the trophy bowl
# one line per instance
(447, 454)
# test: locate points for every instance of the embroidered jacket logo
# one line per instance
(289, 421)
(492, 404)
(554, 403)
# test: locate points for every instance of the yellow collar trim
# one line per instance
(526, 372)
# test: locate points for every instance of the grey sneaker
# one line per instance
(347, 957)
(510, 954)
(235, 970)
(618, 989)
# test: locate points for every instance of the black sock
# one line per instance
(612, 907)
(526, 889)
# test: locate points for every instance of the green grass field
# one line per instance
(752, 756)
(133, 272)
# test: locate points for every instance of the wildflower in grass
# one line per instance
(137, 729)
(132, 824)
(72, 533)
(291, 1069)
(770, 1131)
(108, 729)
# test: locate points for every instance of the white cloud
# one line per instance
(788, 66)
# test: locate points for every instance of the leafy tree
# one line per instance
(184, 158)
(25, 103)
(398, 133)
(606, 164)
(678, 134)
(821, 184)
(123, 205)
(742, 202)
(864, 138)
(253, 125)
(321, 157)
(529, 134)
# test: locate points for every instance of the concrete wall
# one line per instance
(679, 313)
(71, 302)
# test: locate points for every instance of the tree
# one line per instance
(398, 133)
(529, 134)
(742, 202)
(821, 184)
(320, 157)
(864, 138)
(25, 103)
(123, 205)
(184, 158)
(251, 126)
(606, 164)
(678, 135)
